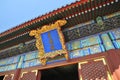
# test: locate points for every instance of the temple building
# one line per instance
(79, 41)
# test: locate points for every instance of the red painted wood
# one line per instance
(9, 77)
(38, 75)
(113, 59)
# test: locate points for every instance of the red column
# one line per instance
(113, 59)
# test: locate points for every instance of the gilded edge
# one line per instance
(36, 71)
(36, 33)
(7, 75)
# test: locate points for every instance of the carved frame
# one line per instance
(39, 44)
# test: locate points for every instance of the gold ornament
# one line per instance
(37, 34)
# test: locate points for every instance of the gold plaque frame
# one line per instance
(39, 44)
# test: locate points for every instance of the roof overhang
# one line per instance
(75, 13)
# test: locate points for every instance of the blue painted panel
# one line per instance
(84, 42)
(13, 59)
(70, 54)
(11, 66)
(116, 43)
(111, 35)
(86, 51)
(31, 55)
(51, 41)
(115, 34)
(20, 62)
(3, 62)
(96, 49)
(3, 68)
(94, 40)
(30, 63)
(10, 60)
(76, 54)
(76, 44)
(79, 53)
(107, 42)
(68, 46)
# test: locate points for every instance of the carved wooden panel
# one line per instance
(94, 70)
(91, 29)
(29, 75)
(9, 77)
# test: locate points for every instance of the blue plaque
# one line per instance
(51, 41)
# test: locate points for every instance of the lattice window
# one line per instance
(29, 75)
(94, 70)
(9, 77)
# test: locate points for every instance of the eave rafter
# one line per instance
(39, 18)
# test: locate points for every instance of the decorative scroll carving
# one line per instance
(14, 51)
(91, 29)
(40, 45)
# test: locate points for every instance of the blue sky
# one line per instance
(15, 12)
